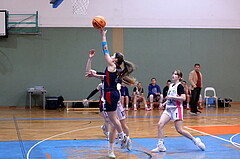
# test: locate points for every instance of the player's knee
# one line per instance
(160, 125)
(179, 130)
(151, 97)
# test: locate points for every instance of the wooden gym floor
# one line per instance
(60, 134)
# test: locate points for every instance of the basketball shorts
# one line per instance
(174, 113)
(111, 100)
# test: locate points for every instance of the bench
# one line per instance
(69, 103)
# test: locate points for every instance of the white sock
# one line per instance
(121, 136)
(111, 146)
(126, 105)
(160, 140)
(135, 105)
(146, 106)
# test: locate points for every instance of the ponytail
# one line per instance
(129, 67)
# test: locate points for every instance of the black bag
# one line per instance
(60, 102)
(224, 102)
(54, 102)
(227, 102)
(77, 105)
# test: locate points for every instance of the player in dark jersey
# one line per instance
(113, 73)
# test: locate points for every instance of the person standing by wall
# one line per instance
(195, 80)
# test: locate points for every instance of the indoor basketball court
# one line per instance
(44, 47)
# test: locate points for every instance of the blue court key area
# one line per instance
(177, 148)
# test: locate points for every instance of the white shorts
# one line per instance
(174, 113)
(120, 111)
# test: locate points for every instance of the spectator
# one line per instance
(154, 93)
(165, 89)
(138, 96)
(124, 96)
(195, 79)
(187, 92)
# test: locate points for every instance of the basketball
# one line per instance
(99, 22)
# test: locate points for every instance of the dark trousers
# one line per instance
(194, 99)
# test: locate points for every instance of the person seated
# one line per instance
(187, 92)
(138, 96)
(188, 97)
(154, 93)
(165, 89)
(124, 96)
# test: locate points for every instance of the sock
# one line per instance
(146, 106)
(135, 105)
(188, 105)
(111, 146)
(126, 105)
(160, 140)
(121, 136)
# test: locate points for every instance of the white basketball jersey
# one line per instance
(172, 91)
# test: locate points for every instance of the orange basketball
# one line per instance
(99, 22)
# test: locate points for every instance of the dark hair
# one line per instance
(153, 78)
(196, 65)
(120, 58)
(129, 67)
(169, 81)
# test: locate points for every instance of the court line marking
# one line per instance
(233, 143)
(29, 151)
(127, 117)
(48, 156)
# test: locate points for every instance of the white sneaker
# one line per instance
(160, 148)
(111, 154)
(85, 102)
(200, 144)
(124, 142)
(129, 144)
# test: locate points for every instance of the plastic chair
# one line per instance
(214, 96)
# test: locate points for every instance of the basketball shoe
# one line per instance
(111, 154)
(129, 144)
(199, 143)
(160, 148)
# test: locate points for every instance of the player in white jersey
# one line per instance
(122, 118)
(174, 111)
